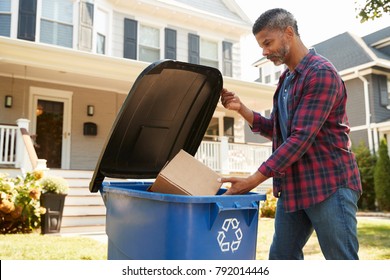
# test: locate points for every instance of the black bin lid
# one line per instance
(168, 108)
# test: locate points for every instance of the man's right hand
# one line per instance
(230, 100)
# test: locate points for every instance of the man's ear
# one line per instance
(289, 31)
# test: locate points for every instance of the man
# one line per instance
(314, 172)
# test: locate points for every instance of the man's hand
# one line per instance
(243, 185)
(230, 100)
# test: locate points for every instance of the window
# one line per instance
(86, 25)
(227, 59)
(5, 18)
(260, 75)
(130, 39)
(277, 75)
(228, 128)
(212, 131)
(267, 79)
(218, 126)
(170, 43)
(101, 29)
(149, 43)
(27, 19)
(209, 53)
(388, 93)
(56, 23)
(193, 48)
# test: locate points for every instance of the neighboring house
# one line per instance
(67, 65)
(364, 65)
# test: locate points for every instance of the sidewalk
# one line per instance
(381, 215)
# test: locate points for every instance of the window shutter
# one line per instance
(130, 39)
(170, 43)
(27, 19)
(193, 48)
(227, 59)
(384, 95)
(86, 26)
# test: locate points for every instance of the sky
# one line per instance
(317, 22)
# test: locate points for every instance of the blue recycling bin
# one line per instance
(168, 109)
(143, 225)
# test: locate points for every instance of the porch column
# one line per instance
(224, 154)
(22, 159)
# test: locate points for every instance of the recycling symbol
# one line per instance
(229, 238)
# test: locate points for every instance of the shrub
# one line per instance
(268, 207)
(19, 203)
(381, 178)
(20, 208)
(366, 163)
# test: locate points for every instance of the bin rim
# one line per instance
(139, 189)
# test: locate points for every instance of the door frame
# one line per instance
(57, 96)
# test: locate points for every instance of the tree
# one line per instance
(373, 9)
(366, 163)
(381, 178)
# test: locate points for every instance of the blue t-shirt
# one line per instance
(282, 104)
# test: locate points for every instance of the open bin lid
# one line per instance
(168, 108)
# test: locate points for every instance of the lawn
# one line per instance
(374, 237)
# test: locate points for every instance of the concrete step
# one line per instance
(83, 220)
(101, 229)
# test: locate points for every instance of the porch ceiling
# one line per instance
(39, 62)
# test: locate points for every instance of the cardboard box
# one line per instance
(187, 176)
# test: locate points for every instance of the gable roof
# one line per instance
(223, 8)
(347, 51)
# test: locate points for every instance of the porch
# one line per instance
(221, 156)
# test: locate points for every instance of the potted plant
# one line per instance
(54, 191)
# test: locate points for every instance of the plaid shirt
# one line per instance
(316, 158)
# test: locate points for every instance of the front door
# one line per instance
(50, 125)
(48, 135)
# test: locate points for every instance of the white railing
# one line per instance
(16, 147)
(8, 144)
(228, 158)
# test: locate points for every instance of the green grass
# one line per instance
(373, 234)
(35, 246)
(374, 238)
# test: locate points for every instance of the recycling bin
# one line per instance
(169, 108)
(145, 225)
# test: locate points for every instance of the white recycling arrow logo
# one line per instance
(228, 226)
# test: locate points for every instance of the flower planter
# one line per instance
(51, 220)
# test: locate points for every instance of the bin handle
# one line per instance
(217, 208)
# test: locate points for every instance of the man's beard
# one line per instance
(279, 57)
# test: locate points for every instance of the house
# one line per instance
(66, 67)
(364, 65)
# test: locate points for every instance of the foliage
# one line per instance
(381, 178)
(19, 203)
(268, 207)
(54, 184)
(20, 208)
(366, 163)
(373, 9)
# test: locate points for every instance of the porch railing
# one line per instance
(8, 144)
(229, 158)
(16, 147)
(221, 156)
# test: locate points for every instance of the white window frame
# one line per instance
(218, 57)
(99, 31)
(140, 46)
(40, 18)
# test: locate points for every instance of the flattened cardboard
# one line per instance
(186, 175)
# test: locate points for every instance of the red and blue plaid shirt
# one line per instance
(316, 158)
